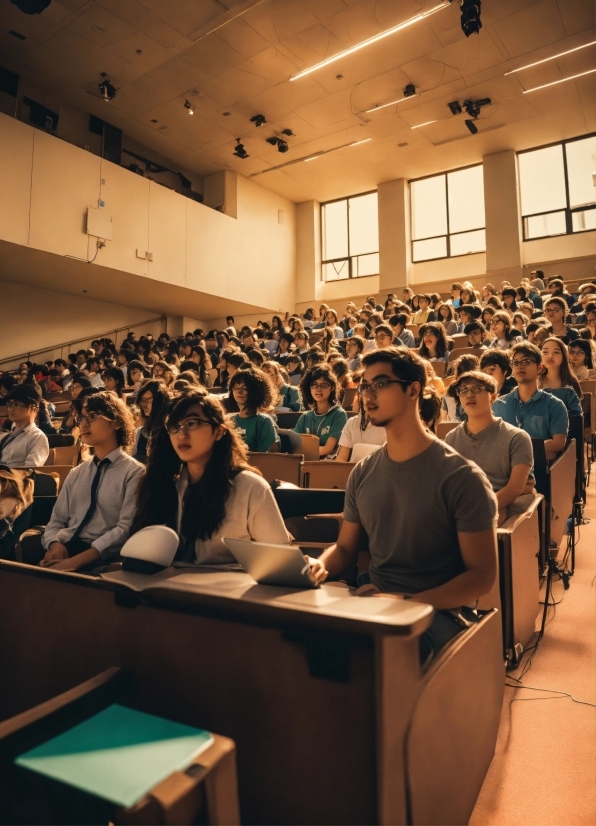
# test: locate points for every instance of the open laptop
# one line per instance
(272, 564)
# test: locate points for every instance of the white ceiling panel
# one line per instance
(131, 11)
(212, 56)
(167, 37)
(140, 96)
(101, 26)
(233, 86)
(471, 55)
(577, 15)
(176, 75)
(151, 53)
(183, 15)
(531, 28)
(242, 38)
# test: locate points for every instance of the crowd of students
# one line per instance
(179, 455)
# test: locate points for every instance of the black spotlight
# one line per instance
(409, 90)
(471, 126)
(108, 92)
(31, 6)
(282, 146)
(472, 108)
(273, 141)
(287, 132)
(470, 17)
(240, 151)
(455, 107)
(258, 120)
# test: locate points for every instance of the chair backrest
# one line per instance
(464, 351)
(61, 440)
(443, 428)
(325, 474)
(413, 328)
(51, 457)
(589, 410)
(348, 398)
(361, 450)
(62, 406)
(46, 484)
(61, 470)
(309, 446)
(41, 512)
(305, 501)
(563, 490)
(576, 431)
(287, 420)
(459, 339)
(588, 386)
(59, 396)
(68, 455)
(282, 466)
(439, 367)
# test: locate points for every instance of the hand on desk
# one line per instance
(56, 553)
(371, 590)
(317, 569)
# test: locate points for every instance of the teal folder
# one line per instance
(118, 755)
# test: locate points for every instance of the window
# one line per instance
(448, 214)
(558, 196)
(350, 229)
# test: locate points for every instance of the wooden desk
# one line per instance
(318, 688)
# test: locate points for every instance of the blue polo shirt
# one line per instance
(543, 417)
(569, 398)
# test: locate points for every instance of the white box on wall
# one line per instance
(99, 223)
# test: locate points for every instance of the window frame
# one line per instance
(448, 234)
(569, 211)
(347, 258)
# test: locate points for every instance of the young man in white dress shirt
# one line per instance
(92, 517)
(25, 445)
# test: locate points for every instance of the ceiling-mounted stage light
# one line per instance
(282, 146)
(409, 90)
(188, 105)
(470, 17)
(471, 126)
(108, 92)
(258, 120)
(455, 107)
(240, 151)
(287, 132)
(31, 6)
(473, 107)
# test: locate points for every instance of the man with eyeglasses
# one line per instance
(428, 514)
(25, 445)
(539, 413)
(93, 514)
(555, 310)
(502, 451)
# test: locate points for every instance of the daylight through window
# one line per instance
(350, 230)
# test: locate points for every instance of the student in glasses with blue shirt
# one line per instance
(93, 514)
(325, 419)
(539, 413)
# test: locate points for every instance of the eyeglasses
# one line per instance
(553, 310)
(377, 385)
(320, 385)
(146, 400)
(187, 426)
(19, 405)
(474, 389)
(523, 363)
(90, 417)
(382, 336)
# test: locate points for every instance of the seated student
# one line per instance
(451, 409)
(504, 452)
(581, 360)
(199, 483)
(16, 495)
(476, 335)
(586, 292)
(428, 514)
(92, 517)
(557, 376)
(7, 382)
(354, 349)
(382, 336)
(25, 445)
(163, 371)
(325, 419)
(359, 430)
(555, 310)
(433, 342)
(295, 368)
(588, 303)
(424, 312)
(288, 399)
(286, 340)
(540, 414)
(556, 287)
(153, 400)
(136, 373)
(496, 363)
(402, 336)
(114, 381)
(94, 372)
(250, 393)
(332, 321)
(502, 331)
(199, 356)
(444, 314)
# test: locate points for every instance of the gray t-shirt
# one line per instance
(412, 512)
(496, 449)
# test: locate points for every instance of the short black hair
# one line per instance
(28, 394)
(81, 378)
(319, 371)
(498, 358)
(474, 325)
(528, 349)
(400, 318)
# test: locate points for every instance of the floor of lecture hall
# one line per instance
(543, 771)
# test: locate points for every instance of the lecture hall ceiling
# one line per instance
(158, 53)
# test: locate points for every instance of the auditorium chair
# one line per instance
(287, 421)
(278, 466)
(464, 351)
(443, 428)
(348, 398)
(305, 443)
(323, 474)
(440, 368)
(205, 792)
(61, 440)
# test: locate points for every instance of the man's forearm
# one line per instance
(464, 589)
(336, 559)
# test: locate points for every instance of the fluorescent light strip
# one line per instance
(357, 143)
(371, 40)
(393, 102)
(310, 157)
(554, 57)
(563, 79)
(425, 124)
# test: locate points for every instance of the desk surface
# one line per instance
(332, 606)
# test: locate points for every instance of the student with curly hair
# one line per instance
(93, 515)
(199, 483)
(325, 419)
(433, 342)
(250, 394)
(289, 395)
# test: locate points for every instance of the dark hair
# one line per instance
(81, 378)
(476, 375)
(259, 393)
(586, 348)
(383, 328)
(528, 349)
(191, 376)
(115, 409)
(405, 364)
(566, 374)
(503, 316)
(255, 356)
(205, 500)
(401, 319)
(429, 405)
(319, 371)
(560, 302)
(236, 359)
(136, 365)
(498, 358)
(117, 374)
(159, 406)
(358, 341)
(437, 329)
(447, 307)
(29, 394)
(473, 325)
(7, 381)
(315, 354)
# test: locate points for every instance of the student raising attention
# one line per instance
(199, 483)
(250, 393)
(325, 419)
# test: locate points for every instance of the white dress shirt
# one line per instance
(24, 447)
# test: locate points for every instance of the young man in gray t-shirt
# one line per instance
(428, 514)
(504, 452)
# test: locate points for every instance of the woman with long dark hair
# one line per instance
(199, 483)
(153, 399)
(433, 342)
(557, 376)
(114, 381)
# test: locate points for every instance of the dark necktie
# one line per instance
(93, 503)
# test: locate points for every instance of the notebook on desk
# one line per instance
(119, 754)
